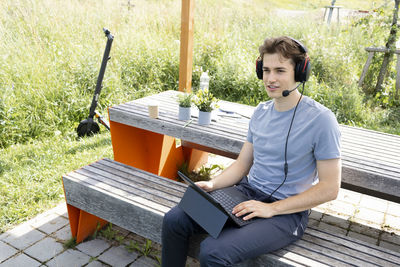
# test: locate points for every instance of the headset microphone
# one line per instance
(287, 92)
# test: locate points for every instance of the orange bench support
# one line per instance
(142, 149)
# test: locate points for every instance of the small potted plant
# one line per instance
(205, 102)
(185, 103)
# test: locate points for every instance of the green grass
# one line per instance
(51, 53)
(30, 174)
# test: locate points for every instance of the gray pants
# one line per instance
(234, 244)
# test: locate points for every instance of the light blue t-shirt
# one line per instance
(314, 136)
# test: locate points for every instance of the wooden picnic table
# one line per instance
(371, 162)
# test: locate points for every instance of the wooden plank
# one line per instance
(133, 187)
(366, 67)
(129, 170)
(304, 258)
(350, 254)
(138, 179)
(380, 49)
(186, 50)
(134, 196)
(390, 256)
(319, 255)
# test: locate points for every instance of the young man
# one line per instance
(289, 164)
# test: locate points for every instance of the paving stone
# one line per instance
(45, 249)
(93, 247)
(391, 237)
(118, 256)
(341, 208)
(365, 230)
(374, 203)
(63, 234)
(392, 222)
(6, 251)
(368, 215)
(50, 223)
(335, 229)
(324, 207)
(144, 262)
(364, 238)
(349, 196)
(23, 236)
(96, 264)
(20, 260)
(61, 209)
(393, 208)
(69, 258)
(390, 246)
(336, 220)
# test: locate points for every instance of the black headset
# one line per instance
(301, 71)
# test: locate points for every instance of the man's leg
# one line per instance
(176, 231)
(235, 245)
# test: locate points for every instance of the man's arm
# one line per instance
(234, 173)
(329, 173)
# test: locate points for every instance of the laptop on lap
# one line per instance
(211, 210)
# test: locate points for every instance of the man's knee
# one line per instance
(177, 221)
(212, 254)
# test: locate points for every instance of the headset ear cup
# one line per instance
(302, 70)
(259, 70)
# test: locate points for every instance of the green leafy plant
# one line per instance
(185, 100)
(70, 243)
(205, 100)
(146, 249)
(204, 173)
(108, 232)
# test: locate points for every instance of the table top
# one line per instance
(366, 155)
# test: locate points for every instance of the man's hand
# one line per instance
(253, 208)
(206, 185)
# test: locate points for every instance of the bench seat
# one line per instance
(137, 201)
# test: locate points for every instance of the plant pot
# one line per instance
(184, 113)
(204, 118)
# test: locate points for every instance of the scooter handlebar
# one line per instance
(108, 34)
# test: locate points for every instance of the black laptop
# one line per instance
(212, 210)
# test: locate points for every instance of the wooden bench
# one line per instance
(137, 201)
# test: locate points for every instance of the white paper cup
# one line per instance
(153, 109)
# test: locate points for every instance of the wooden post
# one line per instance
(397, 92)
(365, 69)
(186, 52)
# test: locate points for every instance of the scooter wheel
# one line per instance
(87, 127)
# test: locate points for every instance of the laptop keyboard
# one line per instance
(228, 203)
